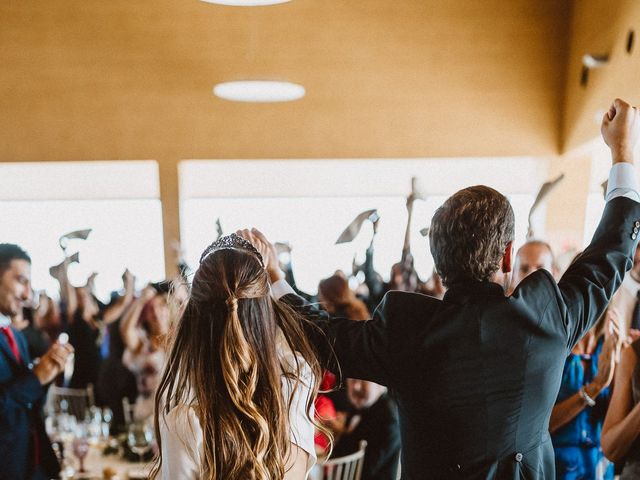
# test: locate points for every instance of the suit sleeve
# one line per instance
(349, 348)
(21, 391)
(590, 282)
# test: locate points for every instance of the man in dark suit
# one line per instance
(476, 374)
(25, 450)
(374, 419)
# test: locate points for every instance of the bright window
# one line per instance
(118, 200)
(310, 202)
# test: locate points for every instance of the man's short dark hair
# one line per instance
(469, 233)
(10, 252)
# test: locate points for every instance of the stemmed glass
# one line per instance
(93, 420)
(107, 416)
(61, 430)
(80, 445)
(66, 427)
(140, 438)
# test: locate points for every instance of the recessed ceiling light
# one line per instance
(246, 3)
(259, 91)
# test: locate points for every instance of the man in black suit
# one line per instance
(374, 419)
(25, 450)
(476, 374)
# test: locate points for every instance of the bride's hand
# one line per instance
(267, 250)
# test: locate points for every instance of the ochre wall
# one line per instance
(123, 79)
(600, 27)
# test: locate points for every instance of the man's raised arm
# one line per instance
(590, 282)
(349, 348)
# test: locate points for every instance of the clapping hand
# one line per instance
(613, 328)
(609, 357)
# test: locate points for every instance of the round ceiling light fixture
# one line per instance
(259, 91)
(246, 3)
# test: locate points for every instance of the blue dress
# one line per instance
(577, 444)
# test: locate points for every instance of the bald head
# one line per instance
(532, 256)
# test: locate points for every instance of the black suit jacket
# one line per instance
(21, 397)
(477, 373)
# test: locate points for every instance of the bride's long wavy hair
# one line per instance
(224, 363)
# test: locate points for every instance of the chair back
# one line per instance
(128, 409)
(76, 401)
(348, 467)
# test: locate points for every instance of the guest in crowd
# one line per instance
(327, 415)
(28, 322)
(619, 432)
(375, 420)
(236, 398)
(47, 318)
(621, 429)
(115, 381)
(84, 326)
(337, 298)
(476, 374)
(531, 257)
(81, 320)
(433, 286)
(144, 329)
(24, 447)
(626, 300)
(402, 277)
(376, 287)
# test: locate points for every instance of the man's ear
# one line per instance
(507, 259)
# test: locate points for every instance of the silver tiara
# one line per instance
(231, 242)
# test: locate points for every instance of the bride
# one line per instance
(236, 397)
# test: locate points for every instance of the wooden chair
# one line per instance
(75, 401)
(348, 467)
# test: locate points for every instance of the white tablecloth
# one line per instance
(95, 463)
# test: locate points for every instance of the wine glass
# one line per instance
(51, 425)
(107, 415)
(80, 445)
(139, 438)
(67, 425)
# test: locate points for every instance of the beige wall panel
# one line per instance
(566, 207)
(600, 26)
(123, 79)
(170, 198)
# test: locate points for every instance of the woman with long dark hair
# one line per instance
(338, 299)
(236, 397)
